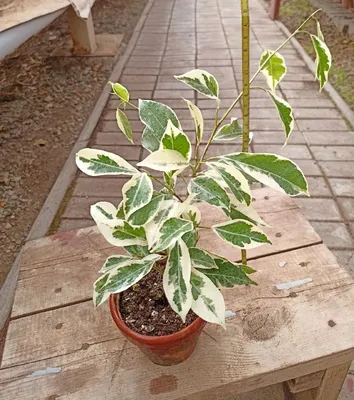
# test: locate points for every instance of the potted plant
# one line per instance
(166, 287)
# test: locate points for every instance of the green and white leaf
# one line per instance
(122, 234)
(242, 211)
(124, 125)
(201, 258)
(241, 234)
(323, 60)
(155, 116)
(171, 231)
(272, 170)
(192, 213)
(198, 119)
(176, 279)
(120, 91)
(285, 113)
(208, 302)
(319, 31)
(234, 180)
(137, 251)
(120, 211)
(228, 274)
(137, 193)
(167, 210)
(175, 139)
(191, 238)
(230, 131)
(145, 214)
(274, 70)
(115, 262)
(124, 277)
(207, 189)
(99, 162)
(104, 212)
(201, 81)
(164, 160)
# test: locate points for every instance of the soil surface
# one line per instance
(44, 104)
(145, 309)
(293, 13)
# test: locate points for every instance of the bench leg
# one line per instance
(82, 32)
(274, 7)
(329, 387)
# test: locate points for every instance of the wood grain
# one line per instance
(275, 336)
(60, 269)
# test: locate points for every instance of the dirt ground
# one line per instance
(44, 103)
(293, 13)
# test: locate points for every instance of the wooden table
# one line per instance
(58, 346)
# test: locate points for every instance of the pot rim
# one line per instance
(188, 330)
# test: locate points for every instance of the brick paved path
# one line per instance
(180, 35)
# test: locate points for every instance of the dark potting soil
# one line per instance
(145, 309)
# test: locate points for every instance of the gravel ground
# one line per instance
(293, 13)
(44, 103)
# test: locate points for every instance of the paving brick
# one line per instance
(331, 125)
(99, 187)
(79, 207)
(347, 207)
(310, 103)
(318, 113)
(335, 153)
(334, 234)
(340, 169)
(346, 260)
(319, 209)
(128, 152)
(71, 224)
(318, 186)
(277, 138)
(291, 151)
(111, 126)
(174, 94)
(267, 125)
(340, 138)
(303, 94)
(114, 138)
(342, 186)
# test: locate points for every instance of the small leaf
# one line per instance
(137, 251)
(114, 262)
(285, 113)
(120, 91)
(208, 302)
(175, 139)
(201, 258)
(171, 230)
(241, 234)
(323, 60)
(202, 82)
(137, 193)
(234, 180)
(272, 170)
(176, 280)
(164, 160)
(155, 116)
(191, 238)
(99, 162)
(122, 234)
(274, 70)
(192, 213)
(146, 213)
(103, 211)
(319, 31)
(207, 189)
(228, 274)
(230, 131)
(198, 119)
(124, 125)
(242, 211)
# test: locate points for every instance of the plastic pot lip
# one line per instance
(194, 327)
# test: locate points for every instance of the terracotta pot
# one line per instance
(162, 350)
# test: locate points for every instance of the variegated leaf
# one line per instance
(198, 119)
(319, 31)
(120, 91)
(230, 131)
(201, 258)
(242, 211)
(272, 170)
(171, 230)
(192, 213)
(104, 212)
(120, 211)
(99, 162)
(167, 210)
(207, 189)
(137, 193)
(208, 302)
(145, 214)
(122, 278)
(235, 181)
(241, 234)
(122, 234)
(164, 160)
(176, 279)
(228, 274)
(274, 70)
(285, 113)
(201, 81)
(155, 116)
(191, 238)
(114, 262)
(137, 251)
(175, 139)
(323, 60)
(124, 125)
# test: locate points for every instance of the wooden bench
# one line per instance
(58, 346)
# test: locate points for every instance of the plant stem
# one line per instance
(163, 184)
(245, 22)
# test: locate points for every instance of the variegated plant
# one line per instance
(158, 228)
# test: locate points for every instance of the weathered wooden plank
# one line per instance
(61, 269)
(276, 335)
(305, 382)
